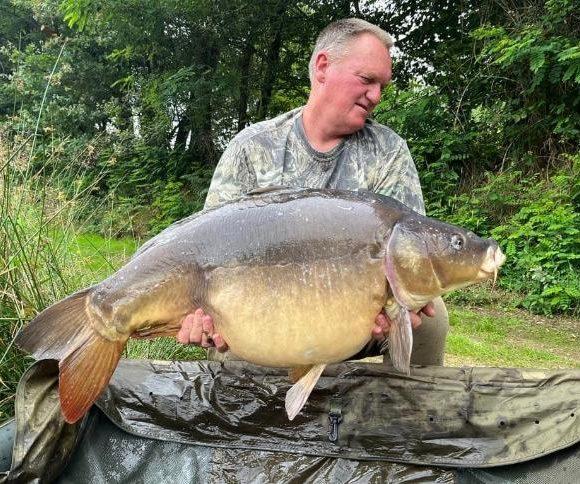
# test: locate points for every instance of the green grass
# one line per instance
(163, 349)
(511, 338)
(101, 256)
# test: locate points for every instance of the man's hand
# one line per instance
(197, 329)
(383, 323)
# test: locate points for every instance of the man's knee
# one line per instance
(429, 338)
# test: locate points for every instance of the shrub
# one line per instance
(542, 243)
(537, 224)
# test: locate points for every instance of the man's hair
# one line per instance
(337, 35)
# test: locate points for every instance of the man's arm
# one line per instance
(397, 177)
(233, 177)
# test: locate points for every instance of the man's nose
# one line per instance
(374, 93)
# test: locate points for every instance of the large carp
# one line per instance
(292, 278)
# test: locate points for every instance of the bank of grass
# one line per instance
(488, 336)
(98, 255)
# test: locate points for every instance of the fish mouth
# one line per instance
(494, 258)
(487, 275)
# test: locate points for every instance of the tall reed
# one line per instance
(38, 229)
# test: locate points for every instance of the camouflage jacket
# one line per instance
(277, 152)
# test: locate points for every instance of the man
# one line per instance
(330, 143)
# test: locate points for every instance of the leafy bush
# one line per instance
(542, 243)
(449, 155)
(537, 224)
(534, 63)
(175, 200)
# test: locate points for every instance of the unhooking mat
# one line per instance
(225, 422)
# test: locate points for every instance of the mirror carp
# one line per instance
(291, 278)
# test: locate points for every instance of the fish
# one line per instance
(293, 278)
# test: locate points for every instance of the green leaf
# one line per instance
(569, 54)
(537, 60)
(572, 72)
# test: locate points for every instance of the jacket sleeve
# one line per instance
(233, 177)
(397, 178)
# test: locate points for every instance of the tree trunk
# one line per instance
(245, 63)
(202, 146)
(272, 63)
(182, 131)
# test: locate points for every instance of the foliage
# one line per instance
(537, 58)
(542, 242)
(537, 224)
(171, 201)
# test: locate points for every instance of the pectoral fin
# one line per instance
(298, 372)
(300, 391)
(400, 337)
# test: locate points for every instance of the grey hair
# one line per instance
(336, 36)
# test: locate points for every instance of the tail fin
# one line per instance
(84, 373)
(87, 360)
(51, 333)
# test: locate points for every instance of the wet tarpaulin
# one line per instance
(209, 422)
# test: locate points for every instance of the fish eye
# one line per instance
(457, 242)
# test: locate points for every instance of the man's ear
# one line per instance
(321, 64)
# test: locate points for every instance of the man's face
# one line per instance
(352, 85)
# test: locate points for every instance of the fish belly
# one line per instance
(297, 314)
